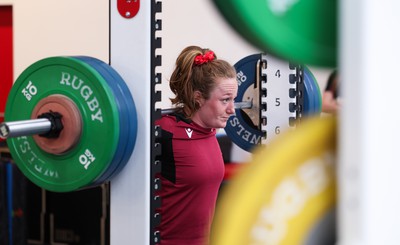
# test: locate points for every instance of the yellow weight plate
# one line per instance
(285, 191)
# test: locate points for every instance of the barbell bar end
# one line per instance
(24, 128)
(4, 131)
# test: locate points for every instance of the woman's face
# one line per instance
(215, 111)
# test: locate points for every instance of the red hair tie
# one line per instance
(204, 58)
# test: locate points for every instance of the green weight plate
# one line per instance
(92, 154)
(299, 31)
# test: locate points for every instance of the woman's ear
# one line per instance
(198, 97)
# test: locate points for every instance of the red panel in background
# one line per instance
(6, 56)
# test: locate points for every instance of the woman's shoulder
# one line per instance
(167, 121)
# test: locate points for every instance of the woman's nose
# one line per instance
(231, 108)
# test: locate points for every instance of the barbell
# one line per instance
(71, 122)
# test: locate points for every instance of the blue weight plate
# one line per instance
(122, 108)
(131, 127)
(239, 128)
(128, 118)
(312, 97)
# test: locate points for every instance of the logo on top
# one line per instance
(189, 132)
